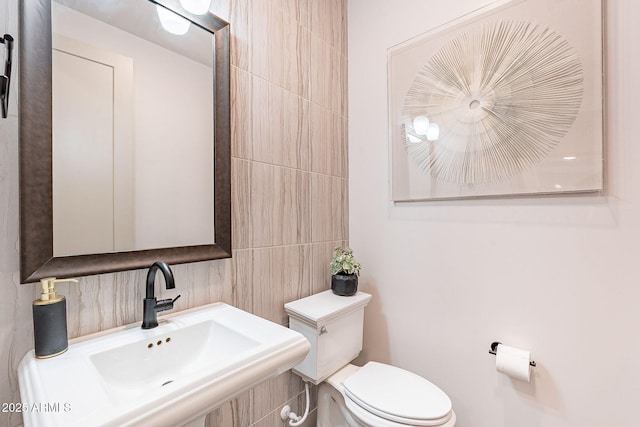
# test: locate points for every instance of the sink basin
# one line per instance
(193, 362)
(145, 365)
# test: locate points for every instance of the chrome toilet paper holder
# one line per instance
(494, 348)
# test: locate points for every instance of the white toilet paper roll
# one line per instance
(513, 362)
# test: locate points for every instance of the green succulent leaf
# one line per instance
(344, 262)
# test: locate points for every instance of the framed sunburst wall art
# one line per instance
(505, 101)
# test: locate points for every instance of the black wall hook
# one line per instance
(5, 80)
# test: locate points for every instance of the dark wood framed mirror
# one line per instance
(37, 256)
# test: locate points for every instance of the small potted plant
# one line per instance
(344, 272)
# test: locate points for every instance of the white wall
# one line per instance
(557, 275)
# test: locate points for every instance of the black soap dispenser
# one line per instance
(50, 320)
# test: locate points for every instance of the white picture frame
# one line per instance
(505, 101)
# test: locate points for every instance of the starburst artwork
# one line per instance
(507, 103)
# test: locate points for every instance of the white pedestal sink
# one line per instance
(171, 375)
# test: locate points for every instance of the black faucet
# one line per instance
(151, 305)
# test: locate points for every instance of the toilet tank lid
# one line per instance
(325, 306)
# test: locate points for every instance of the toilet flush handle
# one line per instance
(323, 330)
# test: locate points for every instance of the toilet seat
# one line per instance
(373, 420)
(396, 395)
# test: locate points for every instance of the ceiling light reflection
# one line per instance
(433, 132)
(172, 22)
(197, 7)
(420, 125)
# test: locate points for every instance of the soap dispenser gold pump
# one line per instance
(50, 320)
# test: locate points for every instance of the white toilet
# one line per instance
(374, 395)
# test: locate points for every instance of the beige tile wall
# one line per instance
(289, 167)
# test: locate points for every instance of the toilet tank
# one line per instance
(333, 325)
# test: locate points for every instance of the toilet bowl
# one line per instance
(379, 395)
(374, 395)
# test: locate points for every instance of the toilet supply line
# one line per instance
(294, 419)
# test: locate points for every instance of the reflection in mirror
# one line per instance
(121, 216)
(132, 167)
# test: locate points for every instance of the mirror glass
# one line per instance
(132, 129)
(125, 136)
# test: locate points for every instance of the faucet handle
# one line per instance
(166, 304)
